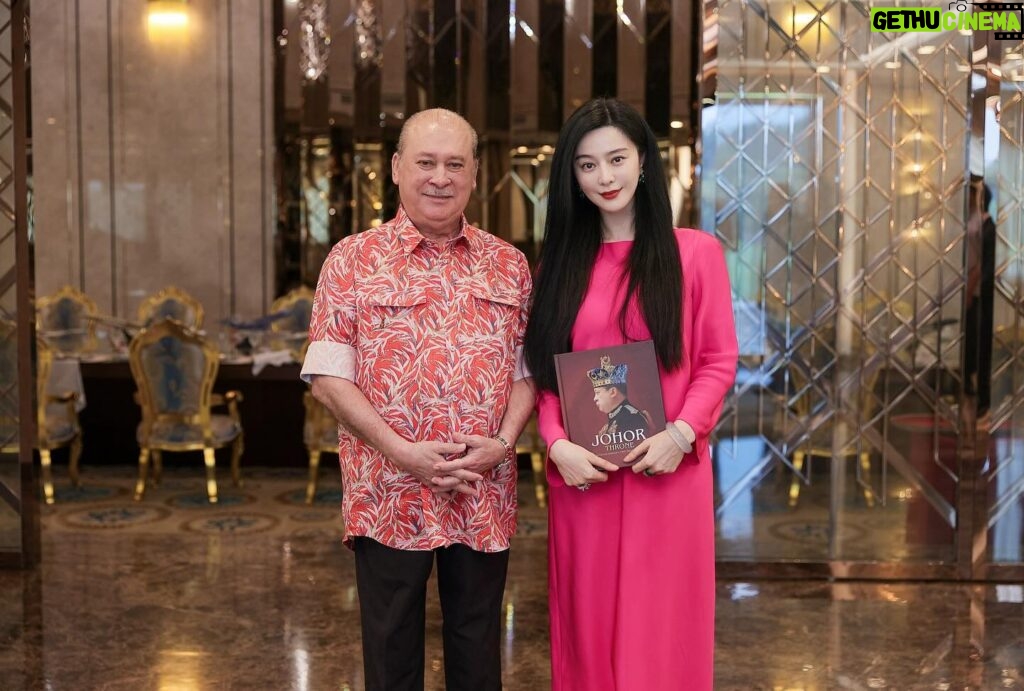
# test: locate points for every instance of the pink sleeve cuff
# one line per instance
(330, 359)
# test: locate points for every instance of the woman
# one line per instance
(632, 582)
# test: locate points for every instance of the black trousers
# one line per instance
(392, 586)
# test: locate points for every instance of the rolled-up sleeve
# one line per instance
(332, 326)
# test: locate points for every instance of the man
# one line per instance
(609, 382)
(415, 343)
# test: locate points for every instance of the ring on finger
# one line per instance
(648, 472)
(584, 487)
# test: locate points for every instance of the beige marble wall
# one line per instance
(152, 160)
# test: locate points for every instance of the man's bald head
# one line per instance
(439, 118)
(435, 169)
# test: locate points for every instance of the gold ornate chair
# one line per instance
(873, 316)
(56, 422)
(56, 415)
(174, 370)
(63, 321)
(290, 328)
(320, 435)
(171, 303)
(819, 442)
(530, 442)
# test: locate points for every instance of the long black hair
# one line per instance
(572, 238)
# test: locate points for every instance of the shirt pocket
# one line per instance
(491, 318)
(394, 314)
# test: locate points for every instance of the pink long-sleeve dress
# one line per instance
(632, 568)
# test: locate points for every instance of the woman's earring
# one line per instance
(641, 176)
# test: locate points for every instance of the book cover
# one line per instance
(611, 398)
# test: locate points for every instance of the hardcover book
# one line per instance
(611, 398)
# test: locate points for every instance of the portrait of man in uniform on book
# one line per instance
(626, 424)
(611, 408)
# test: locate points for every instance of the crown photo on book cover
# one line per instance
(611, 398)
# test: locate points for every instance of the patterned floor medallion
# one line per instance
(114, 517)
(64, 494)
(231, 524)
(272, 501)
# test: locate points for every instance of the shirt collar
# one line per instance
(411, 238)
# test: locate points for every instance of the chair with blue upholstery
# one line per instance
(64, 321)
(877, 318)
(174, 369)
(56, 413)
(171, 303)
(56, 421)
(290, 326)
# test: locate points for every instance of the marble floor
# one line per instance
(258, 593)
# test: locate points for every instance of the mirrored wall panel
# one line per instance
(877, 293)
(350, 72)
(19, 511)
(999, 244)
(152, 147)
(10, 437)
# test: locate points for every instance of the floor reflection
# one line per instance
(767, 511)
(10, 519)
(259, 594)
(1005, 471)
(909, 517)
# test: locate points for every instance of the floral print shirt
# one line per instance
(431, 333)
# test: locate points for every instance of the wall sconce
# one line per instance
(167, 20)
